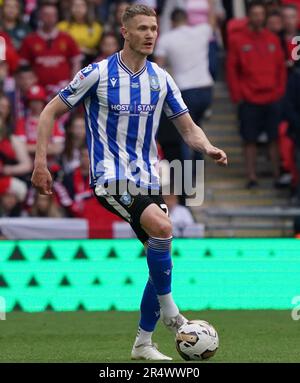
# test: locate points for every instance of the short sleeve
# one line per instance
(82, 86)
(174, 105)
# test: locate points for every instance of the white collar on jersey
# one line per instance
(48, 36)
(125, 67)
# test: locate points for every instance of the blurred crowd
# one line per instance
(262, 75)
(44, 43)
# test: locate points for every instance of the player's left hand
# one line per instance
(218, 155)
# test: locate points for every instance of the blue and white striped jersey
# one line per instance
(122, 112)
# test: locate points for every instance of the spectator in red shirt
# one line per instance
(256, 76)
(53, 55)
(26, 128)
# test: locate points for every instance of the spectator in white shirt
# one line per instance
(198, 11)
(185, 50)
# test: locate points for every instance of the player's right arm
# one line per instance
(41, 178)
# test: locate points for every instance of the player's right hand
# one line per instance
(218, 155)
(41, 179)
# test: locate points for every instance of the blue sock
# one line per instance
(160, 264)
(150, 309)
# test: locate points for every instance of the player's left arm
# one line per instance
(196, 139)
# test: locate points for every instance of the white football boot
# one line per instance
(147, 352)
(174, 323)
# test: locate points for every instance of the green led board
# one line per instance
(111, 274)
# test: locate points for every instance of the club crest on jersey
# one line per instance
(126, 199)
(154, 83)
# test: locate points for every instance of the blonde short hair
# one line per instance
(135, 10)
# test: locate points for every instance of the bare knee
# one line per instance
(162, 228)
(156, 223)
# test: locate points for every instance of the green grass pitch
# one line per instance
(245, 336)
